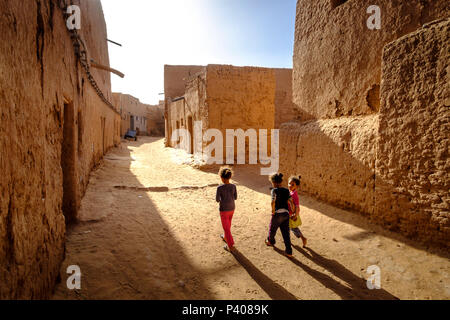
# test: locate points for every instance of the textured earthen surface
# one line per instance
(128, 107)
(285, 109)
(335, 158)
(176, 116)
(175, 78)
(413, 161)
(240, 97)
(391, 166)
(175, 81)
(155, 119)
(183, 113)
(227, 97)
(116, 257)
(337, 59)
(53, 129)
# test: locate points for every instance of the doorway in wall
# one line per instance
(80, 133)
(131, 122)
(191, 134)
(69, 206)
(103, 121)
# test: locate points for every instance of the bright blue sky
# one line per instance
(200, 32)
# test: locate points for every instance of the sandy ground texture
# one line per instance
(149, 229)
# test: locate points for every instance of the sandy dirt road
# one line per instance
(149, 229)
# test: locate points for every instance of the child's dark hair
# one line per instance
(225, 173)
(296, 179)
(276, 178)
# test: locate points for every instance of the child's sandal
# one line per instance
(227, 248)
(290, 256)
(305, 242)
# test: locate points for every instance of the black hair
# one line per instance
(276, 178)
(296, 179)
(225, 173)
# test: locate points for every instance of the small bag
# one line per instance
(295, 224)
(291, 207)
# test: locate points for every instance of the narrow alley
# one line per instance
(149, 229)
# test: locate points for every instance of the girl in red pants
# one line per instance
(226, 195)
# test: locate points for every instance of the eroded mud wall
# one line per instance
(175, 80)
(155, 120)
(336, 159)
(176, 116)
(285, 109)
(337, 59)
(240, 98)
(412, 181)
(130, 106)
(48, 110)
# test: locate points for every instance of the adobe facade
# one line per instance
(412, 166)
(227, 97)
(372, 111)
(54, 129)
(175, 79)
(337, 59)
(285, 109)
(155, 120)
(133, 113)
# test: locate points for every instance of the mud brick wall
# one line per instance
(176, 77)
(195, 98)
(130, 106)
(53, 130)
(337, 59)
(124, 117)
(184, 112)
(227, 97)
(195, 106)
(392, 166)
(413, 164)
(336, 159)
(176, 118)
(155, 120)
(240, 98)
(175, 80)
(285, 109)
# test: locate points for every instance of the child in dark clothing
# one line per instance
(281, 199)
(226, 195)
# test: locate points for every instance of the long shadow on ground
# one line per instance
(250, 177)
(357, 289)
(124, 247)
(274, 290)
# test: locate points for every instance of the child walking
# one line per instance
(295, 222)
(226, 195)
(281, 199)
